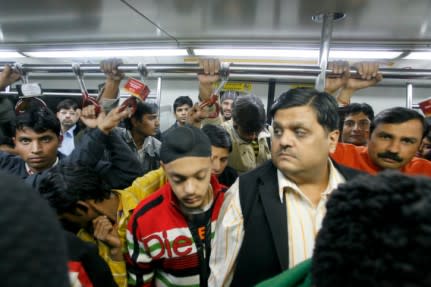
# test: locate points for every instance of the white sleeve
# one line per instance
(229, 233)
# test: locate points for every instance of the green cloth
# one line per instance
(298, 276)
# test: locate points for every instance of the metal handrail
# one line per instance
(235, 70)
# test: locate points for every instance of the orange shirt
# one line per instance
(357, 157)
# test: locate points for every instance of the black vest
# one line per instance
(264, 252)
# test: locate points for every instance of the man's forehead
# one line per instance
(358, 116)
(150, 115)
(67, 110)
(185, 106)
(28, 132)
(295, 115)
(406, 128)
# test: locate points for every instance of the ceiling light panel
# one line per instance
(297, 53)
(106, 53)
(418, 56)
(10, 54)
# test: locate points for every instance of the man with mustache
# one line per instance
(395, 136)
(271, 214)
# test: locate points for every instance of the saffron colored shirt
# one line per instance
(357, 157)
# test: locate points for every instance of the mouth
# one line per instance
(36, 160)
(389, 160)
(216, 172)
(190, 200)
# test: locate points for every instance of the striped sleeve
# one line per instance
(229, 233)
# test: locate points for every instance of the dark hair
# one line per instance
(322, 103)
(356, 108)
(7, 130)
(248, 112)
(228, 95)
(142, 108)
(182, 100)
(65, 184)
(376, 232)
(398, 115)
(218, 136)
(67, 104)
(35, 243)
(39, 120)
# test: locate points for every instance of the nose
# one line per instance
(157, 122)
(356, 126)
(216, 166)
(189, 187)
(394, 147)
(36, 147)
(286, 139)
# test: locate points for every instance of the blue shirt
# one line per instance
(68, 144)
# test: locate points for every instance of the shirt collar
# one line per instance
(31, 172)
(70, 131)
(335, 178)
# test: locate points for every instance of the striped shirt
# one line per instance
(303, 218)
(230, 229)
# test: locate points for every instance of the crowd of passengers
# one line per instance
(327, 194)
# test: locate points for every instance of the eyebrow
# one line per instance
(294, 124)
(412, 139)
(185, 176)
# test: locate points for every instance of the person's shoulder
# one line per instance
(77, 247)
(266, 168)
(348, 172)
(155, 142)
(419, 165)
(154, 202)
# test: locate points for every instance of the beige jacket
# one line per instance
(242, 157)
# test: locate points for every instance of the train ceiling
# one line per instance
(399, 26)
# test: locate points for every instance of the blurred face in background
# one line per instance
(226, 107)
(68, 118)
(219, 159)
(356, 129)
(424, 150)
(181, 114)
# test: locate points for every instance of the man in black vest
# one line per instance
(271, 215)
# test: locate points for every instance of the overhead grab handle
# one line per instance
(86, 99)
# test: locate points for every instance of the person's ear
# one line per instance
(82, 208)
(333, 140)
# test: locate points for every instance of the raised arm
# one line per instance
(123, 167)
(8, 77)
(344, 86)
